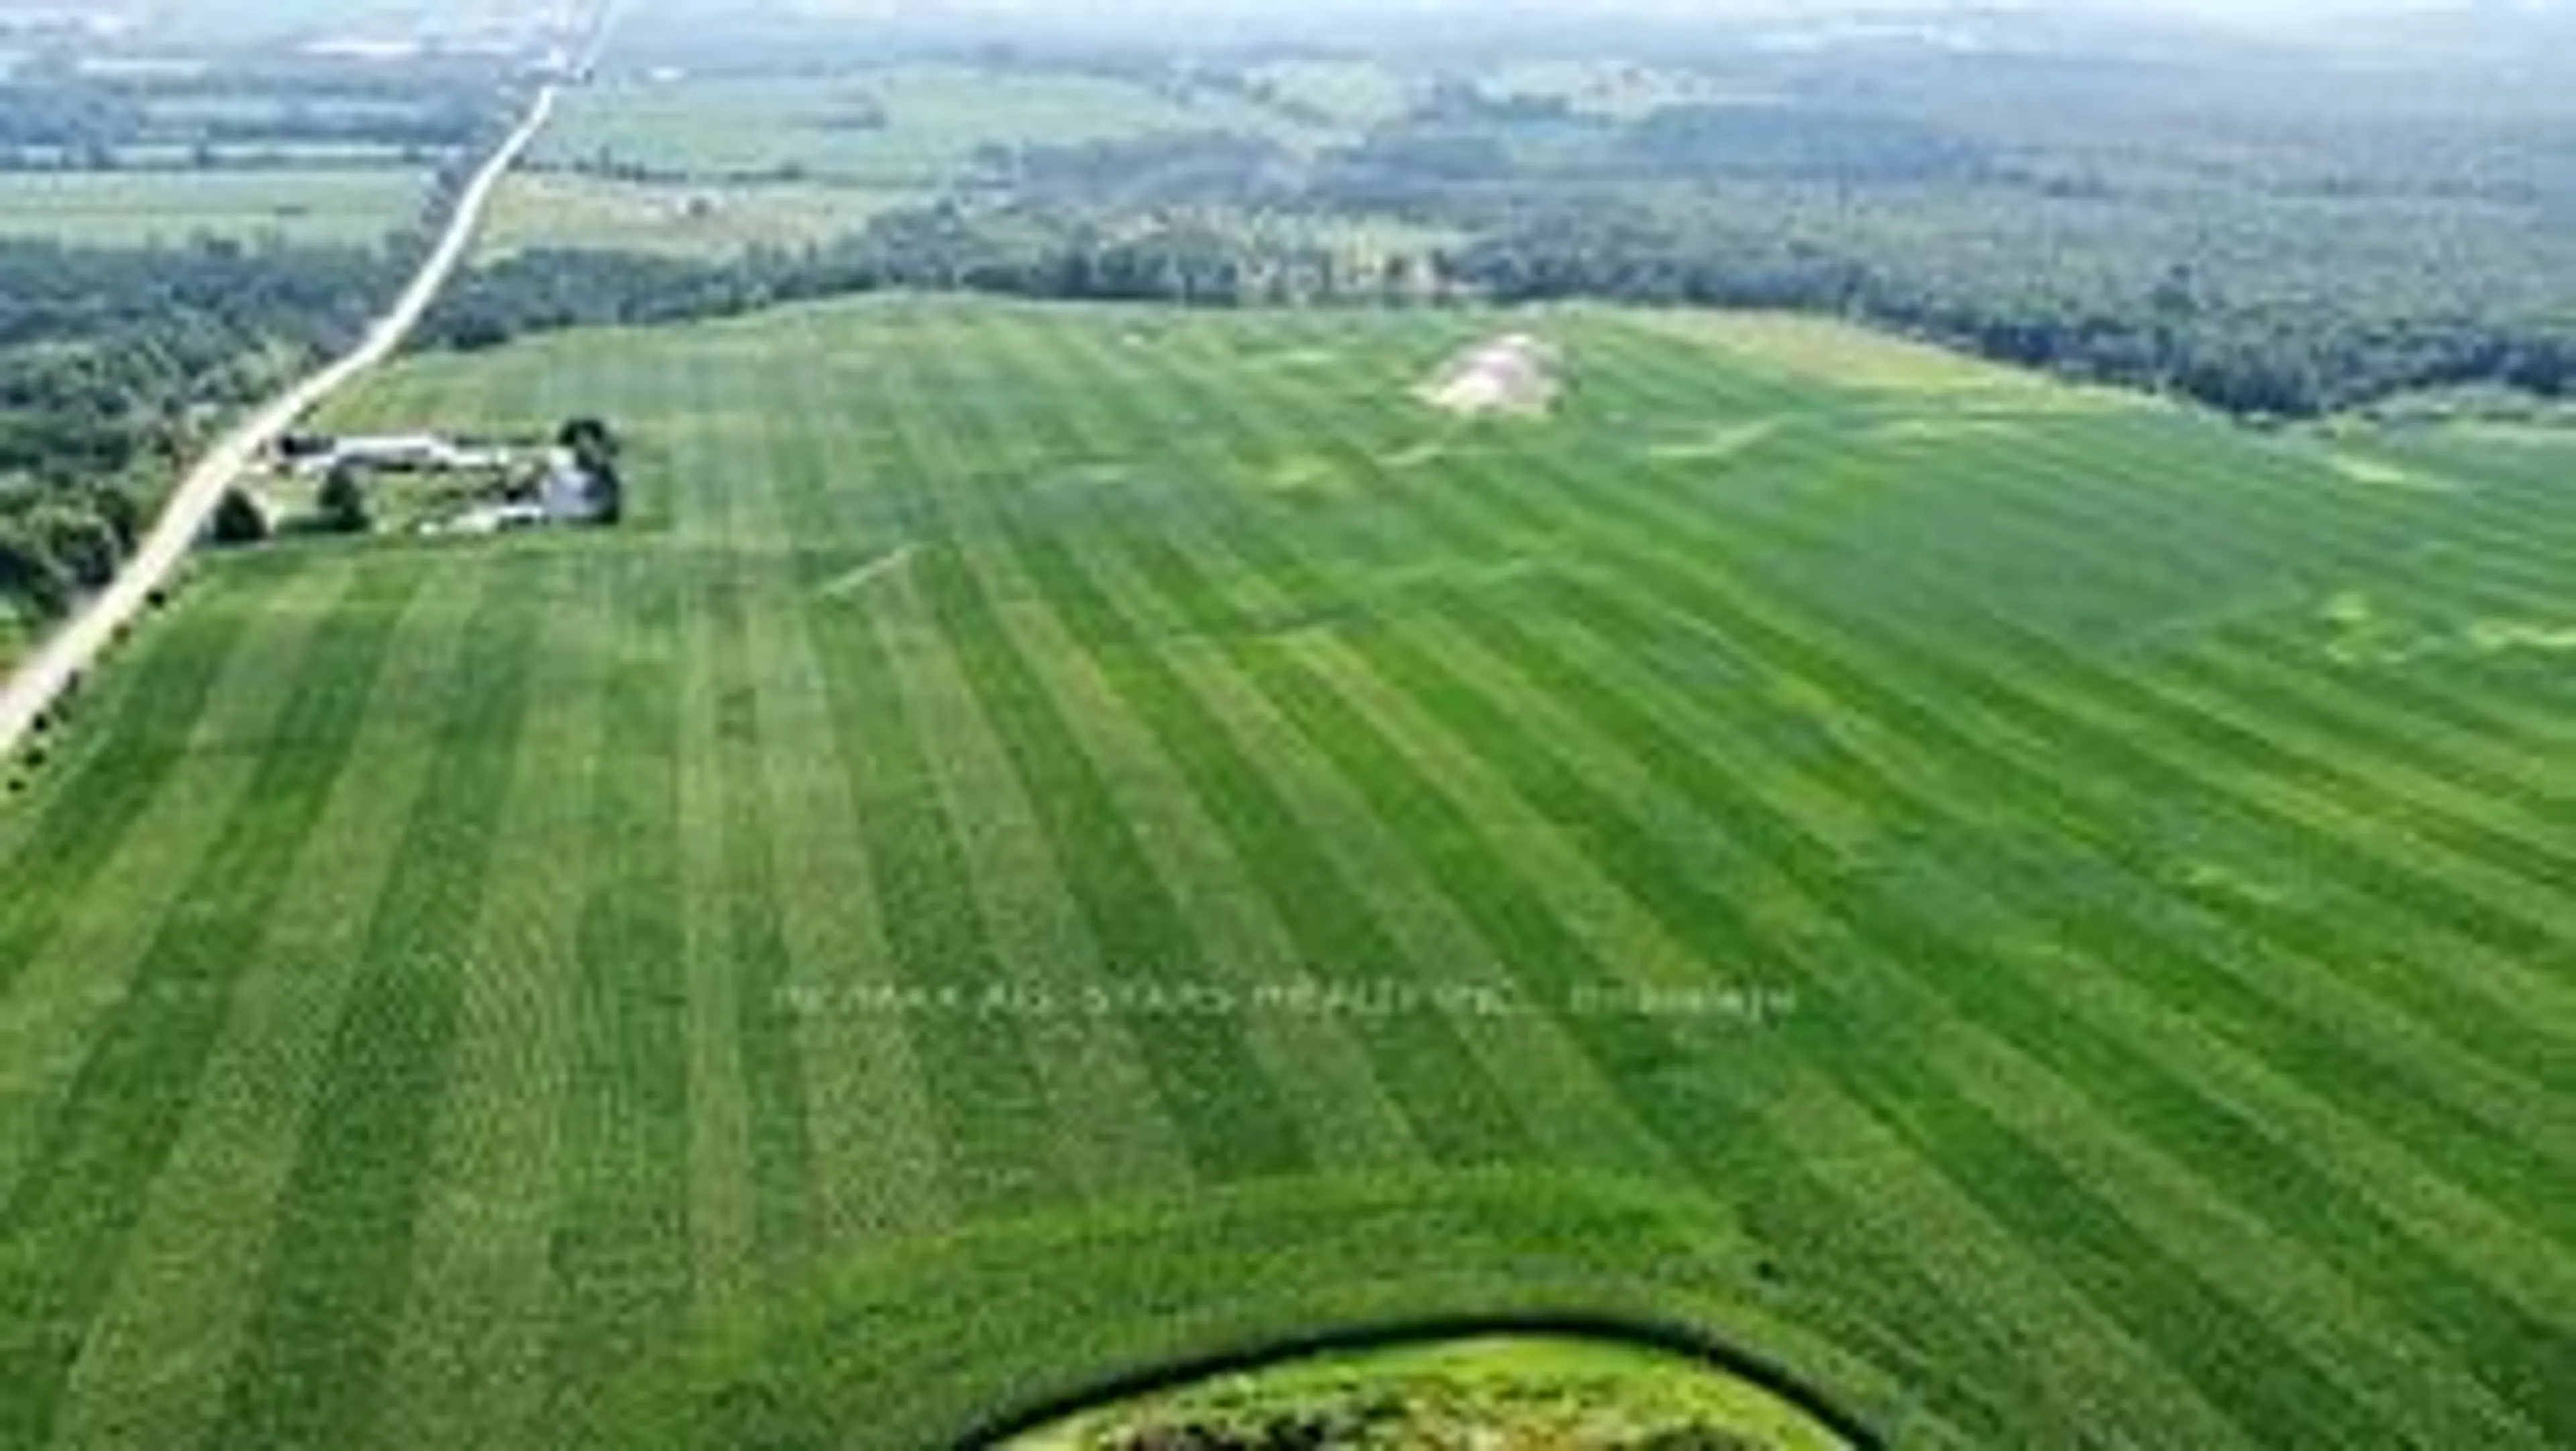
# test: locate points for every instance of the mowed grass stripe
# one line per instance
(748, 950)
(2442, 797)
(1319, 1071)
(2359, 951)
(1659, 874)
(2394, 1243)
(1118, 1132)
(102, 783)
(2486, 884)
(2139, 1083)
(1734, 1149)
(993, 1117)
(2285, 1016)
(152, 1371)
(1117, 1135)
(1906, 1317)
(621, 1245)
(2045, 1013)
(713, 740)
(1233, 1126)
(95, 936)
(1398, 933)
(872, 1121)
(2461, 738)
(1419, 669)
(69, 1217)
(467, 1367)
(1454, 1110)
(313, 1360)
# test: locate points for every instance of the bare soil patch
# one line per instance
(1515, 375)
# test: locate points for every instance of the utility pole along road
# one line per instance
(73, 645)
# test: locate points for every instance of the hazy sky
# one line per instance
(2271, 11)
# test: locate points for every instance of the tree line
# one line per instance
(54, 116)
(114, 364)
(2296, 284)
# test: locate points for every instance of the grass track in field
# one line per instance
(2171, 1010)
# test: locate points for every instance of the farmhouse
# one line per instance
(490, 519)
(398, 452)
(568, 494)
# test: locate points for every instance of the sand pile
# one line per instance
(1515, 374)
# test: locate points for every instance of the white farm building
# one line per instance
(569, 495)
(402, 452)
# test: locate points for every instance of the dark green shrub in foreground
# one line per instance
(238, 520)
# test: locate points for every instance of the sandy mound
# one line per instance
(1515, 374)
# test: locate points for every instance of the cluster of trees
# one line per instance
(2252, 260)
(1143, 174)
(1018, 250)
(56, 543)
(114, 364)
(106, 355)
(57, 117)
(2177, 333)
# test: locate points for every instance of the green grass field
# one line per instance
(1064, 843)
(130, 208)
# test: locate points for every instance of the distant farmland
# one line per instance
(891, 127)
(711, 166)
(675, 219)
(358, 206)
(1059, 842)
